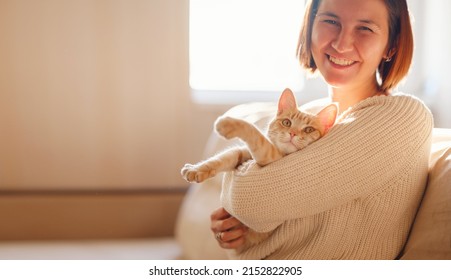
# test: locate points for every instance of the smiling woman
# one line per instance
(354, 193)
(347, 46)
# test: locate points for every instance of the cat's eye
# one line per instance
(286, 122)
(309, 129)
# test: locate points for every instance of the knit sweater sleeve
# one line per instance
(367, 147)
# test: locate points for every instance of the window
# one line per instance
(244, 45)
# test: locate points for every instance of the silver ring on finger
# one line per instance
(218, 236)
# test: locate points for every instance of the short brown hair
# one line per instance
(400, 42)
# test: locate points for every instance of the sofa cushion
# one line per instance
(192, 230)
(193, 222)
(430, 237)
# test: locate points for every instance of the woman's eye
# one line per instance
(286, 122)
(309, 129)
(364, 28)
(331, 21)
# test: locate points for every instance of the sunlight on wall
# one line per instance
(437, 60)
(244, 45)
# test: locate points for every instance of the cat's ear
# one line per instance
(287, 101)
(327, 117)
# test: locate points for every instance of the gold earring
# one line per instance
(388, 59)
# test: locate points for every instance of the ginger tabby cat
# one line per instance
(291, 130)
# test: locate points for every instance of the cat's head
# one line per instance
(292, 130)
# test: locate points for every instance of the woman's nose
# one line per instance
(344, 41)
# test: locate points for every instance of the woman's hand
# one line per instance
(228, 230)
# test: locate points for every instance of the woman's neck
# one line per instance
(348, 97)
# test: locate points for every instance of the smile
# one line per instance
(340, 61)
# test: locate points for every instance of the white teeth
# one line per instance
(340, 61)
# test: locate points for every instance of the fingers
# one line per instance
(233, 244)
(231, 231)
(222, 221)
(233, 239)
(219, 214)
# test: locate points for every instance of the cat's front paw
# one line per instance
(197, 173)
(228, 127)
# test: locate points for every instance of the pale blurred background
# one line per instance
(95, 94)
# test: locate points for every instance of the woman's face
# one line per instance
(349, 40)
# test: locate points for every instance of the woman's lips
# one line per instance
(340, 61)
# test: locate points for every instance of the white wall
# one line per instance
(95, 94)
(437, 60)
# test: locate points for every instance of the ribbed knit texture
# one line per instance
(351, 195)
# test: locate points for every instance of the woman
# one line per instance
(354, 193)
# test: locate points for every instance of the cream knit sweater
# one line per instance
(351, 195)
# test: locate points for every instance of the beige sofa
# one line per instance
(430, 237)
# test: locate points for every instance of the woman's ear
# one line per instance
(390, 54)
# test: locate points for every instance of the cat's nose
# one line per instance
(292, 134)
